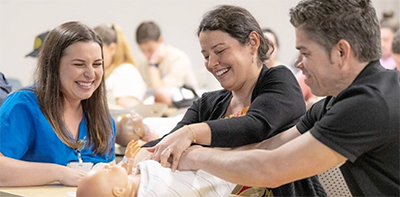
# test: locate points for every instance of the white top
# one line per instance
(176, 69)
(124, 81)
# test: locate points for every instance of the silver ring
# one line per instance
(169, 150)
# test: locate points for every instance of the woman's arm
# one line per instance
(277, 105)
(21, 173)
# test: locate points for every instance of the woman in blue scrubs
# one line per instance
(59, 127)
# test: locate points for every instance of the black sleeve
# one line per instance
(314, 114)
(278, 105)
(357, 123)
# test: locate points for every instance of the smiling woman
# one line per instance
(62, 118)
(256, 103)
(82, 70)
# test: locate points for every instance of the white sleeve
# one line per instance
(126, 81)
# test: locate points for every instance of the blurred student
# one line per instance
(125, 85)
(5, 88)
(37, 45)
(166, 68)
(272, 37)
(396, 49)
(389, 25)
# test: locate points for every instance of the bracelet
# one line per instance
(193, 134)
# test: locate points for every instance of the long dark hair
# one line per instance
(51, 99)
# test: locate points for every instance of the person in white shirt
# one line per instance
(164, 68)
(125, 85)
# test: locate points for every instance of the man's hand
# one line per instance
(158, 55)
(188, 158)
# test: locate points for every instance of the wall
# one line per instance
(22, 20)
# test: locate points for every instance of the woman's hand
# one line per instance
(173, 146)
(70, 177)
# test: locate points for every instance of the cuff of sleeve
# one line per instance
(301, 128)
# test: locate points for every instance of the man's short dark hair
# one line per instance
(147, 31)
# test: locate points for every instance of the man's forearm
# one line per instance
(274, 142)
(155, 77)
(233, 166)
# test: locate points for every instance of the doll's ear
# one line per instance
(118, 191)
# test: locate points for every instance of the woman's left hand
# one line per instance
(172, 146)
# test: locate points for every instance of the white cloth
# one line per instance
(162, 182)
(124, 81)
(162, 126)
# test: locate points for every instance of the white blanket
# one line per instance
(158, 181)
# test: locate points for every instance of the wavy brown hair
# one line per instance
(51, 99)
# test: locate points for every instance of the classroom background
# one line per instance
(22, 20)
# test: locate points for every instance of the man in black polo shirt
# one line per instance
(357, 124)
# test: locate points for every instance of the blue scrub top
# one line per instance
(25, 134)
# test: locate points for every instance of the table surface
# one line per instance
(50, 190)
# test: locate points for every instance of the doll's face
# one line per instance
(129, 127)
(112, 180)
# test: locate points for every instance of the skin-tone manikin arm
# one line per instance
(21, 173)
(302, 157)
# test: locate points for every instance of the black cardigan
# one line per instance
(276, 105)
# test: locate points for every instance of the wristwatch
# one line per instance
(156, 65)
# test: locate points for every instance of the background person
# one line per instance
(5, 88)
(357, 125)
(389, 25)
(125, 85)
(37, 45)
(273, 59)
(256, 103)
(396, 49)
(62, 118)
(165, 68)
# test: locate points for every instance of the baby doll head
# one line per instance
(112, 180)
(129, 127)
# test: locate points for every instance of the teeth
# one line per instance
(84, 84)
(221, 72)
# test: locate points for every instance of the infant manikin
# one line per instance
(149, 179)
(111, 179)
(130, 127)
